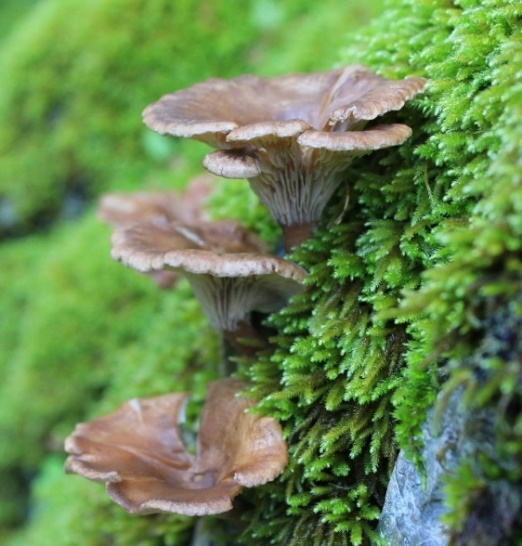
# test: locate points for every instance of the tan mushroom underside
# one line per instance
(232, 164)
(376, 138)
(228, 285)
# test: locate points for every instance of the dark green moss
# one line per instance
(11, 12)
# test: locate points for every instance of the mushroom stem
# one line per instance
(245, 338)
(234, 517)
(207, 528)
(296, 234)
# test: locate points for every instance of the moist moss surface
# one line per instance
(404, 284)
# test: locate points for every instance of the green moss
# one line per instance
(474, 206)
(68, 509)
(401, 292)
(11, 11)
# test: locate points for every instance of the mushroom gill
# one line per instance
(291, 136)
(137, 451)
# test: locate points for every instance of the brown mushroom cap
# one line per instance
(230, 164)
(121, 209)
(126, 209)
(288, 135)
(133, 428)
(222, 262)
(290, 104)
(138, 453)
(380, 97)
(379, 136)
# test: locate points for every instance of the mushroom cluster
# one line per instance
(137, 451)
(291, 136)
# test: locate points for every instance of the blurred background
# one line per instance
(80, 334)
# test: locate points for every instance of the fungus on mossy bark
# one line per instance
(291, 136)
(225, 264)
(139, 454)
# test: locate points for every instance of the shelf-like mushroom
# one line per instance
(138, 452)
(226, 265)
(291, 136)
(121, 210)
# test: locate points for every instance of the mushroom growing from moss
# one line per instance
(137, 451)
(225, 264)
(291, 136)
(120, 210)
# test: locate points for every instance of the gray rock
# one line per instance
(8, 214)
(413, 509)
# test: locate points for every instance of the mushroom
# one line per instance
(291, 136)
(225, 264)
(120, 209)
(137, 451)
(124, 209)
